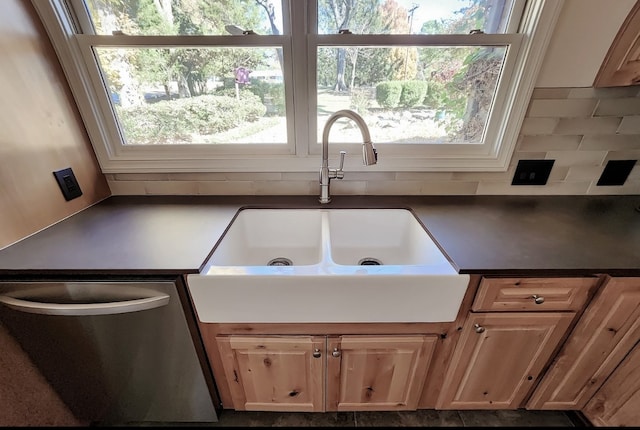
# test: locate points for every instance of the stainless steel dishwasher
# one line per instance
(115, 352)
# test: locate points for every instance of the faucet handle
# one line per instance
(342, 154)
(339, 172)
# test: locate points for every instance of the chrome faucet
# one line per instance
(369, 153)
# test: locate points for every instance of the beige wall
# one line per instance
(40, 131)
(582, 37)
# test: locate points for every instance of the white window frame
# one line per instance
(524, 57)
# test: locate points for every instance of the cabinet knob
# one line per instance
(538, 299)
(317, 353)
(336, 352)
(478, 328)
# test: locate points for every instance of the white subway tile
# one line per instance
(423, 176)
(126, 188)
(584, 173)
(171, 187)
(630, 125)
(603, 93)
(549, 143)
(484, 176)
(558, 173)
(226, 188)
(561, 108)
(421, 188)
(198, 176)
(577, 158)
(610, 142)
(534, 126)
(550, 93)
(286, 188)
(301, 176)
(600, 125)
(141, 176)
(226, 176)
(368, 176)
(348, 188)
(618, 107)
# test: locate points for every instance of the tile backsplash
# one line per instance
(580, 128)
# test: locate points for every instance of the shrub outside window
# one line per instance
(194, 85)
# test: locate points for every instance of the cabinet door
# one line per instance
(606, 332)
(381, 373)
(274, 373)
(617, 403)
(499, 357)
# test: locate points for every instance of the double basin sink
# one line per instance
(327, 265)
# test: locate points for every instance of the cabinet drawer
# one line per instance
(533, 294)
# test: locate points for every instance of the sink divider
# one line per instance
(325, 237)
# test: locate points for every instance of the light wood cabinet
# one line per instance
(621, 65)
(606, 332)
(274, 373)
(499, 357)
(515, 327)
(491, 357)
(532, 294)
(289, 373)
(617, 402)
(382, 373)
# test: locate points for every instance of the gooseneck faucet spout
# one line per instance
(369, 153)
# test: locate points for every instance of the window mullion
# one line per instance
(304, 110)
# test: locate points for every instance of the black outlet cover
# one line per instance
(68, 183)
(616, 172)
(532, 172)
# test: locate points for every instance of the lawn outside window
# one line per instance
(222, 85)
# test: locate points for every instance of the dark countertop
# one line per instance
(515, 235)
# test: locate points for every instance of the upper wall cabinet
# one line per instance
(621, 66)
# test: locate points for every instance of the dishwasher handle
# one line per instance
(82, 309)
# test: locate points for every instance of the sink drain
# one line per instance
(280, 261)
(370, 261)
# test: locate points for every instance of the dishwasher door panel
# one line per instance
(136, 365)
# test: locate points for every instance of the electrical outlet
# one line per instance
(532, 172)
(616, 172)
(68, 183)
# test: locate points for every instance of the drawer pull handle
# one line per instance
(336, 352)
(316, 353)
(538, 299)
(479, 328)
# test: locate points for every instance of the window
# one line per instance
(228, 85)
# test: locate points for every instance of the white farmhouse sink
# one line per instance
(327, 265)
(260, 236)
(387, 236)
